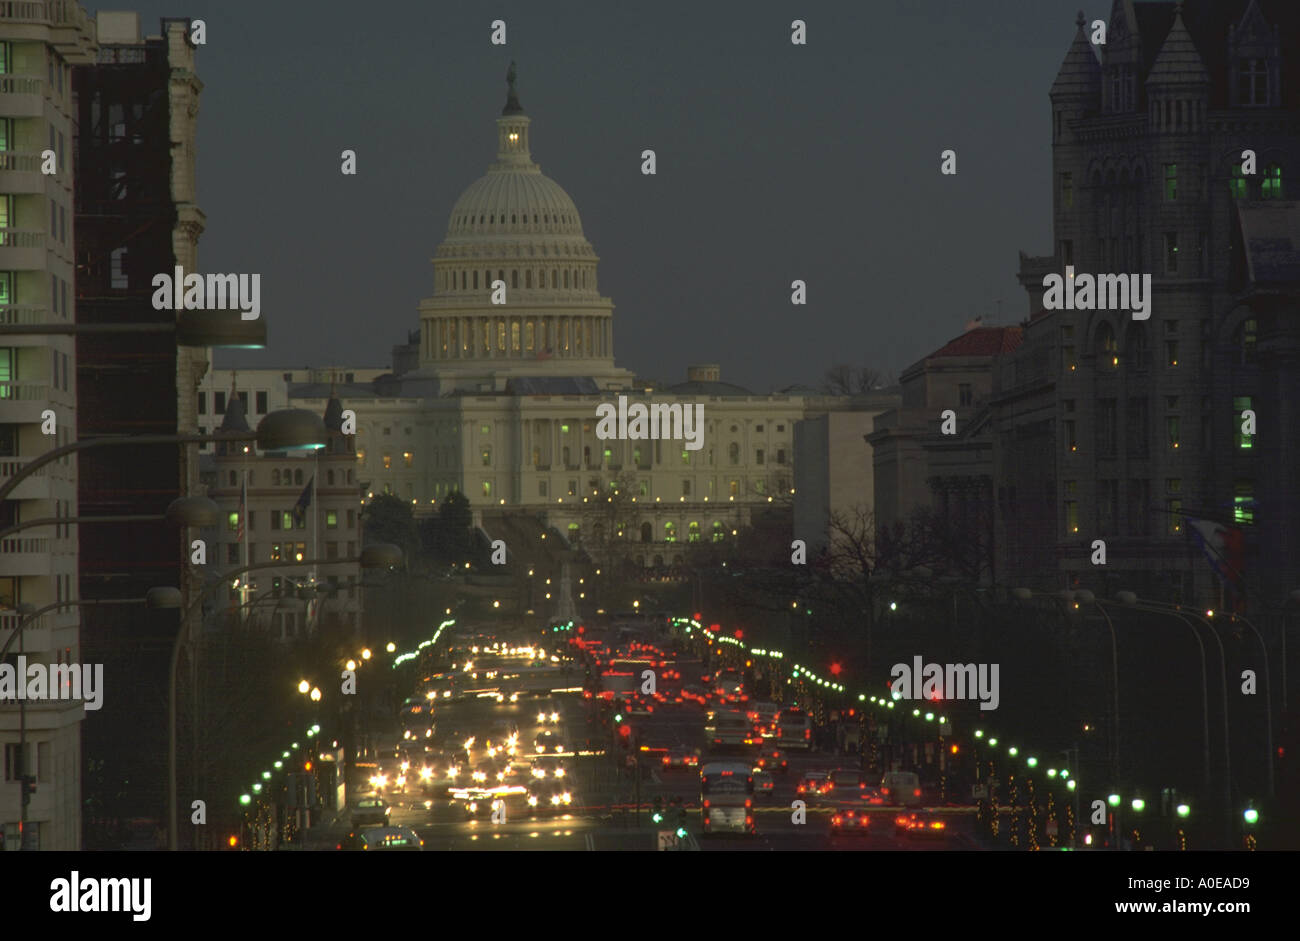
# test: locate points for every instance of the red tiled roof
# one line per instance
(982, 341)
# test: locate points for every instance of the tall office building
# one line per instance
(40, 43)
(137, 215)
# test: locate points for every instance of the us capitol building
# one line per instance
(499, 401)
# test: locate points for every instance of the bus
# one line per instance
(727, 797)
(794, 729)
(728, 728)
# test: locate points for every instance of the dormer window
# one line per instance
(1252, 82)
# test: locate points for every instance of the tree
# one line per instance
(388, 519)
(448, 538)
(844, 379)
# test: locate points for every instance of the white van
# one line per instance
(901, 787)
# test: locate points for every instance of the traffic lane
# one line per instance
(777, 831)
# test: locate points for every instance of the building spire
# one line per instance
(512, 95)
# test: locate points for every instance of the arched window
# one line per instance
(693, 531)
(329, 478)
(647, 532)
(733, 453)
(573, 533)
(297, 475)
(670, 532)
(528, 278)
(275, 476)
(1107, 348)
(1238, 185)
(719, 533)
(476, 280)
(512, 218)
(514, 278)
(1270, 187)
(555, 279)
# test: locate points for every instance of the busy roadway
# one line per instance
(618, 738)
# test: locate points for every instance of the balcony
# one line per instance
(36, 637)
(62, 23)
(35, 487)
(24, 171)
(25, 555)
(22, 249)
(22, 96)
(24, 401)
(14, 316)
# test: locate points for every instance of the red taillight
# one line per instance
(916, 793)
(807, 733)
(706, 804)
(836, 821)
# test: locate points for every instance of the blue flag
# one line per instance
(304, 500)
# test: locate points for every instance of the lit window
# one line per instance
(1240, 404)
(408, 458)
(1171, 182)
(1071, 516)
(1237, 184)
(670, 532)
(1171, 425)
(487, 457)
(232, 522)
(487, 488)
(1271, 186)
(1243, 502)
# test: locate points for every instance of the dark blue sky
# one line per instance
(776, 162)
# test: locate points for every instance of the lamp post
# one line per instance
(1268, 697)
(156, 598)
(375, 556)
(1088, 597)
(1185, 617)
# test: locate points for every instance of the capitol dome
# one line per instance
(518, 228)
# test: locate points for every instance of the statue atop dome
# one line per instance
(512, 98)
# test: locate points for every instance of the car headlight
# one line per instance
(559, 772)
(568, 798)
(473, 806)
(532, 800)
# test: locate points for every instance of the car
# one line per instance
(850, 823)
(549, 796)
(373, 810)
(812, 784)
(772, 759)
(390, 838)
(764, 783)
(920, 825)
(847, 784)
(679, 756)
(480, 803)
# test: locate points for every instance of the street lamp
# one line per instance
(289, 429)
(223, 329)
